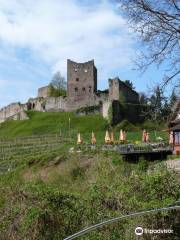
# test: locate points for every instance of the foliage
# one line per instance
(84, 189)
(157, 107)
(88, 109)
(151, 125)
(126, 125)
(143, 164)
(173, 98)
(129, 84)
(55, 92)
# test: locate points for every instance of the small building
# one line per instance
(174, 129)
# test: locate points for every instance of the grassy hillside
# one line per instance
(48, 123)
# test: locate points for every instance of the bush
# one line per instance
(151, 125)
(126, 125)
(77, 172)
(143, 164)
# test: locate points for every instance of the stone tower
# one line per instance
(114, 89)
(81, 81)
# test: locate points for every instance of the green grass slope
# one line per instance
(48, 122)
(58, 122)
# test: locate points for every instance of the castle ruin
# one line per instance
(82, 94)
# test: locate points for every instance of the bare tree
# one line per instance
(58, 81)
(58, 85)
(157, 24)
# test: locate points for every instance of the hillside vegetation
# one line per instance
(58, 123)
(48, 191)
(51, 122)
(54, 195)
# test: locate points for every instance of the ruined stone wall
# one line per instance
(36, 104)
(56, 104)
(20, 116)
(96, 100)
(105, 109)
(124, 101)
(129, 95)
(119, 91)
(44, 92)
(81, 82)
(11, 111)
(114, 89)
(47, 104)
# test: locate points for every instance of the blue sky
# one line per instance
(38, 36)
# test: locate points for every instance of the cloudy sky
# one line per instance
(38, 36)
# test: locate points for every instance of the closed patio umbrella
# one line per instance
(147, 137)
(112, 137)
(144, 136)
(93, 138)
(107, 138)
(79, 140)
(124, 136)
(121, 135)
(171, 139)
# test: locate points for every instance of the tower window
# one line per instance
(75, 69)
(85, 70)
(90, 88)
(83, 89)
(76, 89)
(77, 79)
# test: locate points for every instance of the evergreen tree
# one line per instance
(173, 98)
(156, 104)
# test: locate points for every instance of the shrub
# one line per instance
(143, 164)
(126, 125)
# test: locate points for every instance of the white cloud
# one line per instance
(55, 30)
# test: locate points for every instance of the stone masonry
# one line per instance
(44, 92)
(81, 93)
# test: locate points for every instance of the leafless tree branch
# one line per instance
(157, 24)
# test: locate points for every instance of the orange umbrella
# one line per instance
(121, 135)
(107, 138)
(124, 136)
(171, 139)
(93, 138)
(112, 137)
(144, 136)
(147, 137)
(79, 140)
